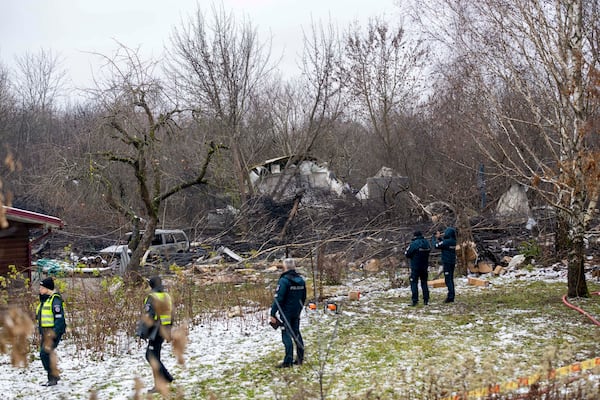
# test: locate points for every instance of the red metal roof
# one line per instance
(30, 217)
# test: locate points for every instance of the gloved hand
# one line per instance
(275, 323)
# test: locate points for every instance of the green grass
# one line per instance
(383, 349)
(379, 348)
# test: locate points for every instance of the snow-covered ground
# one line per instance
(220, 346)
(211, 350)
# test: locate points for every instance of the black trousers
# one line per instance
(419, 274)
(291, 336)
(47, 348)
(153, 356)
(449, 279)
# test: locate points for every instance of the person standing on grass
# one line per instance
(418, 253)
(158, 308)
(447, 244)
(50, 315)
(288, 304)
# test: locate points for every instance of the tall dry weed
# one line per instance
(17, 326)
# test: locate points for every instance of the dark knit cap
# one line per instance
(155, 282)
(418, 234)
(48, 283)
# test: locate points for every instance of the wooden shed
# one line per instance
(17, 237)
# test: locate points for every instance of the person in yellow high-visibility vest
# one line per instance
(50, 314)
(158, 307)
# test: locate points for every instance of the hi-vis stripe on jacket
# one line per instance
(166, 306)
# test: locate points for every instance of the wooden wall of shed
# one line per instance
(14, 249)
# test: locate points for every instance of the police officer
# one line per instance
(288, 304)
(50, 315)
(418, 253)
(158, 308)
(447, 243)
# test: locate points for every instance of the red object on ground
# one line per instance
(582, 311)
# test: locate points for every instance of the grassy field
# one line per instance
(380, 348)
(373, 348)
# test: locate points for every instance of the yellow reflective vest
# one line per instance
(47, 315)
(166, 307)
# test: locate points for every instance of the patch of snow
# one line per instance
(225, 345)
(212, 349)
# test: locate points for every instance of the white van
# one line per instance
(167, 241)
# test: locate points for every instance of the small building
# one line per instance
(21, 231)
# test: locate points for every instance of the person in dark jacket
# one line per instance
(447, 243)
(288, 304)
(158, 309)
(418, 253)
(52, 325)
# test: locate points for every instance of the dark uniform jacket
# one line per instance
(418, 252)
(448, 246)
(290, 295)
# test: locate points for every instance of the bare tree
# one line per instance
(383, 67)
(308, 108)
(39, 80)
(138, 124)
(321, 83)
(9, 164)
(7, 103)
(535, 69)
(219, 65)
(7, 106)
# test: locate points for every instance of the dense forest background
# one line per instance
(462, 99)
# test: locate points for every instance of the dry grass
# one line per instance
(376, 347)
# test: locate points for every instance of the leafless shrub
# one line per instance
(138, 387)
(180, 339)
(99, 311)
(161, 384)
(333, 269)
(391, 266)
(15, 330)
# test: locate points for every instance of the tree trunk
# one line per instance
(562, 243)
(238, 164)
(145, 242)
(575, 221)
(576, 272)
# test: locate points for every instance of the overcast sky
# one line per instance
(75, 28)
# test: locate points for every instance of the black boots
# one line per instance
(51, 382)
